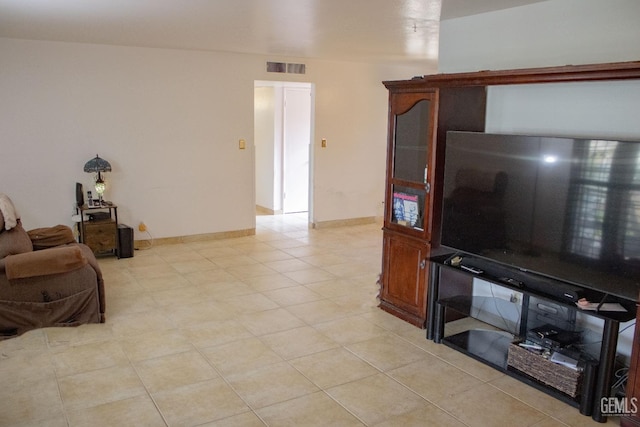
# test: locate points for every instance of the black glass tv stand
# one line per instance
(491, 345)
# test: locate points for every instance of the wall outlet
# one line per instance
(142, 226)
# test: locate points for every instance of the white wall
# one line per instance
(352, 115)
(169, 122)
(265, 137)
(557, 32)
(551, 33)
(591, 109)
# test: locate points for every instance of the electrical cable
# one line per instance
(150, 242)
(481, 308)
(495, 303)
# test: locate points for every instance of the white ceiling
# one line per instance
(394, 30)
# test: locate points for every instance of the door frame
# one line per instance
(279, 117)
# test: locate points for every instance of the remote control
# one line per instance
(471, 269)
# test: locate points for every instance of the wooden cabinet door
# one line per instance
(404, 278)
(409, 162)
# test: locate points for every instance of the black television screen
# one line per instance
(566, 208)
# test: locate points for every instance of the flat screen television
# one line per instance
(564, 208)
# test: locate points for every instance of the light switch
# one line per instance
(323, 143)
(242, 144)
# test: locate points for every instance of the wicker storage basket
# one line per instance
(560, 377)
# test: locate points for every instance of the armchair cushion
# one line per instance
(49, 237)
(45, 262)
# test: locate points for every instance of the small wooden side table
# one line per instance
(99, 233)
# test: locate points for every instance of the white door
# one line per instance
(297, 138)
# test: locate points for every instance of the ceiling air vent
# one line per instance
(283, 67)
(296, 68)
(276, 67)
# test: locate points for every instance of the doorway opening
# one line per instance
(283, 127)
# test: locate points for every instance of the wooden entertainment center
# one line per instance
(421, 112)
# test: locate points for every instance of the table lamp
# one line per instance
(98, 165)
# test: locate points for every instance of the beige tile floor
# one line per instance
(277, 329)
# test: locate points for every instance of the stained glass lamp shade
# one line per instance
(98, 165)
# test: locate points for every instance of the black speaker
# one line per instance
(125, 241)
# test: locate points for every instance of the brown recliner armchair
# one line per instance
(46, 277)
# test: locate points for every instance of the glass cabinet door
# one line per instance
(409, 187)
(411, 143)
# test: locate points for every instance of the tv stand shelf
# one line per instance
(490, 345)
(494, 355)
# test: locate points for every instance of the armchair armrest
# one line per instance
(44, 262)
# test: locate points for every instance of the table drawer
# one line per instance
(100, 236)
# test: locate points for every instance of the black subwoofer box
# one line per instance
(125, 241)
